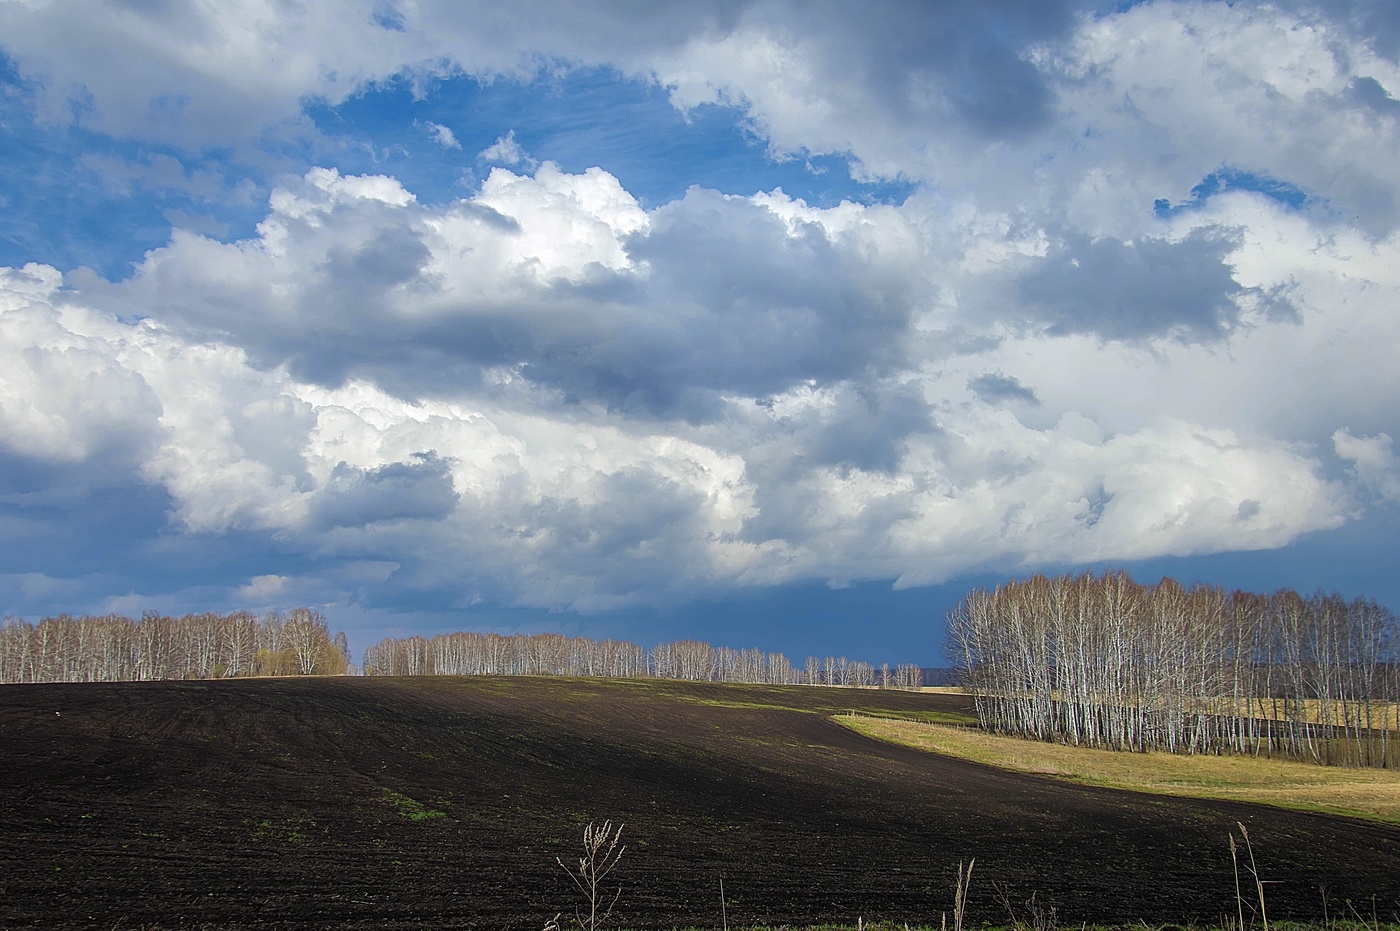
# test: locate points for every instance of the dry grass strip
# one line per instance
(1373, 794)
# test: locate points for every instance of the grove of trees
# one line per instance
(1106, 662)
(114, 648)
(478, 654)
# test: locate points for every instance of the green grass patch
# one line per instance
(411, 809)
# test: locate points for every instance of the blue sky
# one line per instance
(765, 323)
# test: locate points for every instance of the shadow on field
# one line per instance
(443, 802)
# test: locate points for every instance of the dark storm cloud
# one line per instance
(862, 427)
(995, 388)
(998, 92)
(366, 271)
(738, 303)
(634, 506)
(868, 429)
(73, 536)
(416, 490)
(732, 302)
(1131, 290)
(965, 55)
(971, 53)
(724, 296)
(67, 519)
(635, 531)
(1369, 92)
(1374, 22)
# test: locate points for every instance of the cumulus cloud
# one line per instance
(1059, 494)
(1125, 290)
(221, 74)
(1135, 105)
(63, 396)
(228, 453)
(560, 277)
(470, 496)
(1368, 91)
(506, 151)
(420, 489)
(1166, 94)
(882, 82)
(1374, 462)
(546, 394)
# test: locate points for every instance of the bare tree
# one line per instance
(113, 648)
(1107, 662)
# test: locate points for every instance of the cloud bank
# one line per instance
(1139, 303)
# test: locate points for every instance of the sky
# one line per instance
(766, 323)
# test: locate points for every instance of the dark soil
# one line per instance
(308, 803)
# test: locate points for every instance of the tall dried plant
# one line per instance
(1254, 874)
(602, 851)
(960, 896)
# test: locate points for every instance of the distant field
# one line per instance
(1363, 793)
(443, 802)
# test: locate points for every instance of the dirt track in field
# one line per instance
(282, 804)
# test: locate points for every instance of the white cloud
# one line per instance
(198, 74)
(985, 490)
(1164, 94)
(207, 75)
(443, 135)
(506, 151)
(260, 588)
(130, 399)
(545, 394)
(1132, 106)
(63, 395)
(558, 276)
(164, 173)
(1374, 462)
(596, 405)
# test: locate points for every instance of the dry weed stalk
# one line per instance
(960, 896)
(1039, 917)
(601, 854)
(1373, 923)
(1253, 872)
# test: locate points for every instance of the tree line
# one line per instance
(113, 648)
(1106, 662)
(489, 654)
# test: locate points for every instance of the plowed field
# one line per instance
(443, 802)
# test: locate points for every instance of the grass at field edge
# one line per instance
(1369, 794)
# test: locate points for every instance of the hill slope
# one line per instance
(311, 803)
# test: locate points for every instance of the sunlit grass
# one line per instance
(1363, 793)
(1376, 714)
(411, 809)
